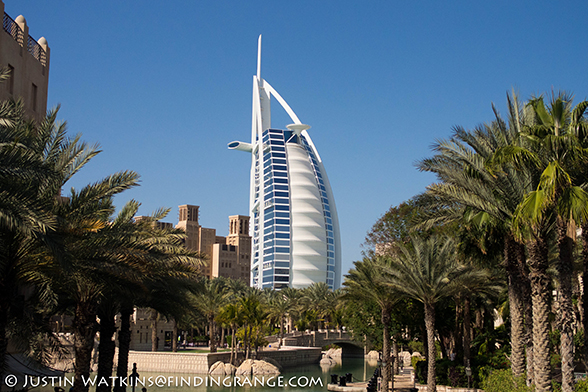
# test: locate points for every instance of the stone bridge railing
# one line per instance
(318, 338)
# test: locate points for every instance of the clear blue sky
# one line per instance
(164, 86)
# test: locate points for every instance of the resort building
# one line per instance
(295, 226)
(229, 256)
(28, 63)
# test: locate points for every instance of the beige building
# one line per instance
(141, 330)
(198, 238)
(28, 63)
(232, 259)
(157, 224)
(227, 256)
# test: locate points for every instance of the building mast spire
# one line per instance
(294, 221)
(259, 58)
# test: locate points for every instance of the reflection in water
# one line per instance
(303, 378)
(334, 362)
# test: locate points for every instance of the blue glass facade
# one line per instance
(272, 256)
(295, 229)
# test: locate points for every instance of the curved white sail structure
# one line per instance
(295, 227)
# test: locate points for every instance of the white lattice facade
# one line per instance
(295, 228)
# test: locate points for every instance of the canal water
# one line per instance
(309, 378)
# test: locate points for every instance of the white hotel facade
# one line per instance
(295, 229)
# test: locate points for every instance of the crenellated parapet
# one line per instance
(27, 61)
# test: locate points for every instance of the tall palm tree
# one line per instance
(279, 307)
(319, 299)
(213, 296)
(553, 147)
(365, 282)
(293, 297)
(470, 192)
(36, 160)
(427, 270)
(254, 319)
(231, 315)
(158, 255)
(87, 260)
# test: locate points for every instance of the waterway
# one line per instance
(308, 378)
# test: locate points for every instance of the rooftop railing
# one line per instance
(33, 47)
(36, 50)
(12, 28)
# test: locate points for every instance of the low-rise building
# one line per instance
(28, 63)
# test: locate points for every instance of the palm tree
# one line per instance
(553, 147)
(167, 272)
(254, 319)
(210, 301)
(318, 299)
(364, 282)
(469, 192)
(36, 159)
(279, 307)
(293, 297)
(230, 315)
(88, 261)
(427, 270)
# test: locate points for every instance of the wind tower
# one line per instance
(295, 229)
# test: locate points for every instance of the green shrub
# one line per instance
(420, 370)
(416, 346)
(581, 386)
(414, 360)
(503, 381)
(456, 376)
(442, 367)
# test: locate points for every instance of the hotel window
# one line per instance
(34, 97)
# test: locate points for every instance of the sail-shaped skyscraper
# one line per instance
(295, 228)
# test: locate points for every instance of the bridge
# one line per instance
(322, 338)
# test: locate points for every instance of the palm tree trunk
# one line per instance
(175, 337)
(257, 329)
(222, 339)
(425, 341)
(7, 290)
(154, 338)
(386, 376)
(249, 341)
(395, 356)
(212, 335)
(430, 325)
(246, 342)
(566, 307)
(458, 338)
(527, 310)
(442, 346)
(540, 293)
(281, 332)
(467, 328)
(517, 356)
(585, 291)
(3, 338)
(84, 328)
(106, 349)
(232, 345)
(124, 344)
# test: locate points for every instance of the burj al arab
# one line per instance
(295, 230)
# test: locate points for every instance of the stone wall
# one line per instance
(199, 363)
